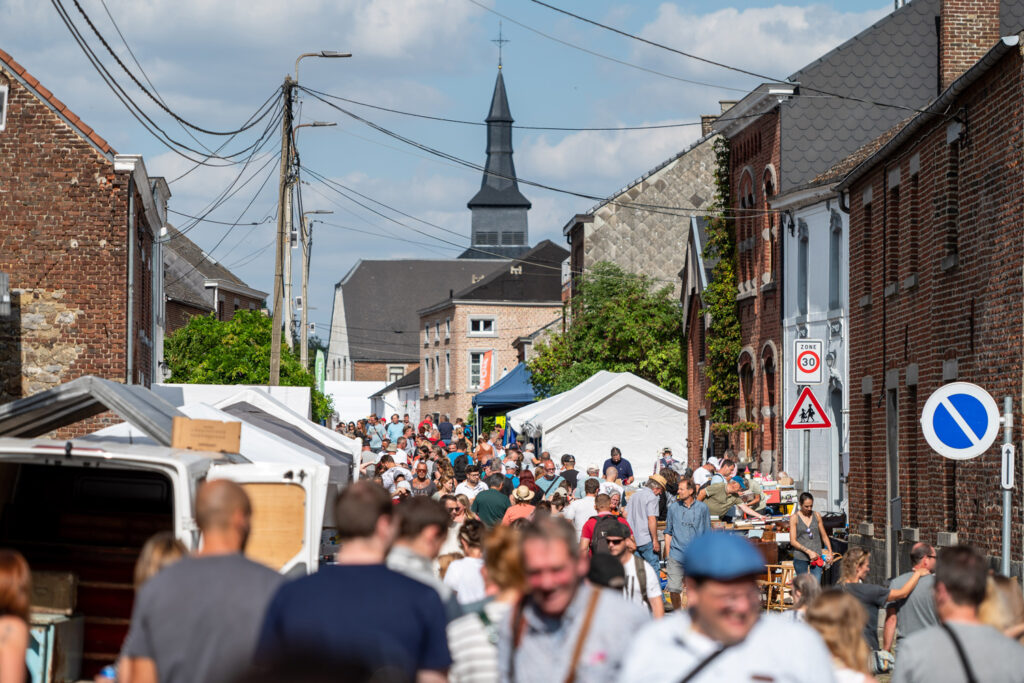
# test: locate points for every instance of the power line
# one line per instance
(603, 56)
(484, 123)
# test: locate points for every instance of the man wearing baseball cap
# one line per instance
(721, 636)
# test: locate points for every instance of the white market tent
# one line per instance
(608, 409)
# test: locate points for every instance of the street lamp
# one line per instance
(307, 242)
(325, 54)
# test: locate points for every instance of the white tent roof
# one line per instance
(535, 418)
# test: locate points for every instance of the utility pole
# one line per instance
(307, 242)
(288, 302)
(282, 236)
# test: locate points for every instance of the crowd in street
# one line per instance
(498, 564)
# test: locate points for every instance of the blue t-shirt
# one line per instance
(365, 612)
(445, 429)
(454, 456)
(623, 466)
(395, 430)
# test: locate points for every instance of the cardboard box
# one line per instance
(54, 592)
(206, 435)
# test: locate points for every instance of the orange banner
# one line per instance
(486, 366)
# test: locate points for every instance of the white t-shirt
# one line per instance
(611, 487)
(631, 591)
(465, 578)
(579, 511)
(701, 476)
(469, 490)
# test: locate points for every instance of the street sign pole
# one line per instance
(1007, 479)
(805, 460)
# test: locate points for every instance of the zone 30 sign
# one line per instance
(808, 361)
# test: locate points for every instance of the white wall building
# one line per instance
(815, 305)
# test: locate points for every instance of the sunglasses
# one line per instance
(455, 509)
(615, 541)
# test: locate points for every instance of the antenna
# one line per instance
(500, 42)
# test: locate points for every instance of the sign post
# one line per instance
(807, 414)
(960, 421)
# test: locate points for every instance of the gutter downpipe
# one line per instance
(130, 317)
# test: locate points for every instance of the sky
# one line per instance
(214, 62)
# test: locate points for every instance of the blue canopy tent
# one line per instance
(511, 391)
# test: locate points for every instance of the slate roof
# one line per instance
(892, 61)
(838, 171)
(411, 379)
(381, 300)
(499, 188)
(51, 100)
(540, 279)
(186, 269)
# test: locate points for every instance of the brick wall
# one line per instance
(936, 295)
(178, 314)
(63, 227)
(511, 321)
(754, 159)
(968, 28)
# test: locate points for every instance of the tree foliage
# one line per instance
(237, 351)
(723, 338)
(620, 323)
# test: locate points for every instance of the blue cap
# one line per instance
(722, 556)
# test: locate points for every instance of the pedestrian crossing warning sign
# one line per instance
(807, 413)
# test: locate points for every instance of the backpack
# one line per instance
(460, 465)
(602, 524)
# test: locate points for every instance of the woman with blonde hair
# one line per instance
(466, 504)
(839, 619)
(805, 589)
(1003, 607)
(162, 549)
(855, 567)
(15, 592)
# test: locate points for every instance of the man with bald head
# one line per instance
(197, 621)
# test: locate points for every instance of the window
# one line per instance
(866, 249)
(835, 263)
(487, 238)
(892, 231)
(803, 236)
(437, 331)
(447, 371)
(437, 372)
(913, 220)
(513, 238)
(3, 107)
(476, 361)
(747, 389)
(426, 375)
(447, 328)
(952, 192)
(481, 327)
(426, 333)
(395, 373)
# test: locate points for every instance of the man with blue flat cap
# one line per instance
(722, 636)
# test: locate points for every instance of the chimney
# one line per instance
(967, 30)
(726, 105)
(707, 122)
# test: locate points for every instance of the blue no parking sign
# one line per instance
(960, 421)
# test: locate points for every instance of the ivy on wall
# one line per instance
(723, 336)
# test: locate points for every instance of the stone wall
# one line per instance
(652, 241)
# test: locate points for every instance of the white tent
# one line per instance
(609, 409)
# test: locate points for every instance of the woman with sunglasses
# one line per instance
(808, 538)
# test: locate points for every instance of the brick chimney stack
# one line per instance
(967, 30)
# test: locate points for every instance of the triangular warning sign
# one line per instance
(807, 413)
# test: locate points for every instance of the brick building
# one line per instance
(80, 243)
(489, 315)
(195, 284)
(936, 296)
(782, 136)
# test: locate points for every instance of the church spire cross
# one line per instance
(500, 42)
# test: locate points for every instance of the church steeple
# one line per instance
(499, 208)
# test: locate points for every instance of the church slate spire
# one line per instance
(499, 209)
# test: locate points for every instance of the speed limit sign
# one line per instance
(808, 361)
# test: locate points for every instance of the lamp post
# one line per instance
(307, 243)
(284, 212)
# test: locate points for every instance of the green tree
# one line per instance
(620, 323)
(237, 351)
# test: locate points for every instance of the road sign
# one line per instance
(960, 421)
(1007, 478)
(808, 361)
(807, 413)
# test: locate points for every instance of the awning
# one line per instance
(511, 391)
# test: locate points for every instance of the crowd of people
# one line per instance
(516, 568)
